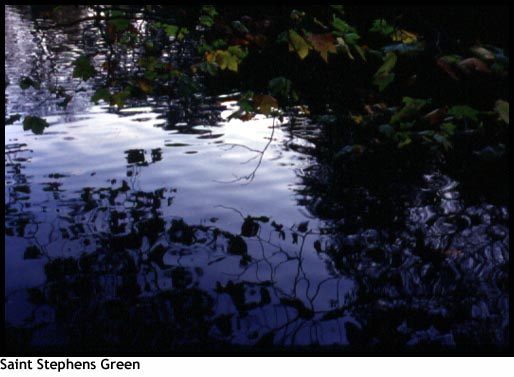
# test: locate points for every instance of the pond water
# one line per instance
(127, 230)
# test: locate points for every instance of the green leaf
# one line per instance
(406, 140)
(383, 81)
(390, 60)
(119, 21)
(171, 30)
(101, 93)
(341, 27)
(209, 10)
(381, 26)
(34, 124)
(360, 51)
(448, 128)
(502, 108)
(338, 8)
(206, 21)
(410, 109)
(463, 111)
(12, 119)
(238, 51)
(280, 87)
(27, 82)
(83, 68)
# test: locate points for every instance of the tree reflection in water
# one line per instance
(415, 268)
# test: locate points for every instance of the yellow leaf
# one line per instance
(298, 44)
(357, 119)
(323, 43)
(404, 36)
(210, 57)
(222, 58)
(502, 108)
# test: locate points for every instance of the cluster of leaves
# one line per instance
(223, 43)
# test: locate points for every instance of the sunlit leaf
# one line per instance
(323, 43)
(404, 36)
(502, 108)
(298, 44)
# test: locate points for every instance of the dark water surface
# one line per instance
(128, 231)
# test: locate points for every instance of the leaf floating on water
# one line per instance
(34, 124)
(502, 108)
